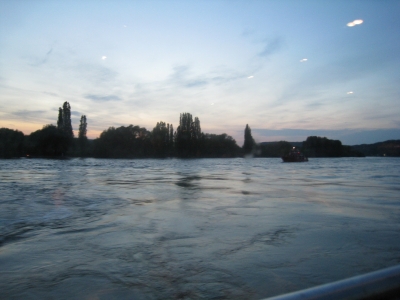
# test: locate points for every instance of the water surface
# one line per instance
(193, 229)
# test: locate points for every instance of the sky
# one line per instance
(289, 69)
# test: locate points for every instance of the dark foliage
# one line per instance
(316, 146)
(49, 141)
(66, 119)
(219, 145)
(162, 140)
(187, 142)
(387, 148)
(82, 139)
(11, 143)
(188, 135)
(249, 143)
(274, 149)
(60, 121)
(123, 142)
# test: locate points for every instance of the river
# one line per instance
(193, 229)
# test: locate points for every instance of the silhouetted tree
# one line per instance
(316, 146)
(60, 121)
(274, 149)
(66, 118)
(49, 141)
(219, 145)
(123, 142)
(249, 142)
(171, 138)
(82, 139)
(11, 143)
(188, 134)
(160, 139)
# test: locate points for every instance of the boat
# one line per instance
(381, 284)
(294, 156)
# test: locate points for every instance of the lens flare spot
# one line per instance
(354, 23)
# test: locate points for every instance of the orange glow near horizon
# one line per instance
(28, 128)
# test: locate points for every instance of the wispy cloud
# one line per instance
(32, 115)
(271, 46)
(102, 98)
(76, 113)
(182, 77)
(96, 73)
(28, 113)
(43, 60)
(315, 81)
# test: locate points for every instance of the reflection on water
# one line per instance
(193, 229)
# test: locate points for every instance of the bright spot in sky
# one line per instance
(348, 93)
(103, 57)
(303, 60)
(212, 103)
(354, 23)
(250, 77)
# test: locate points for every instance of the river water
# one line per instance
(193, 229)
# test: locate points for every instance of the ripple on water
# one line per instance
(192, 229)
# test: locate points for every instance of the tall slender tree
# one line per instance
(60, 121)
(160, 139)
(66, 117)
(188, 135)
(249, 143)
(171, 138)
(82, 128)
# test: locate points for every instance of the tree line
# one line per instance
(133, 141)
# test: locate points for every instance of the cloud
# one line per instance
(102, 98)
(28, 113)
(44, 60)
(271, 46)
(76, 113)
(98, 74)
(182, 77)
(342, 71)
(35, 116)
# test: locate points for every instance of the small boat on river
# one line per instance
(294, 156)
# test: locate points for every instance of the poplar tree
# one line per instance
(249, 142)
(82, 128)
(66, 118)
(188, 135)
(82, 139)
(160, 138)
(60, 122)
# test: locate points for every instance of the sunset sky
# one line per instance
(289, 69)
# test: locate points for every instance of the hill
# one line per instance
(386, 148)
